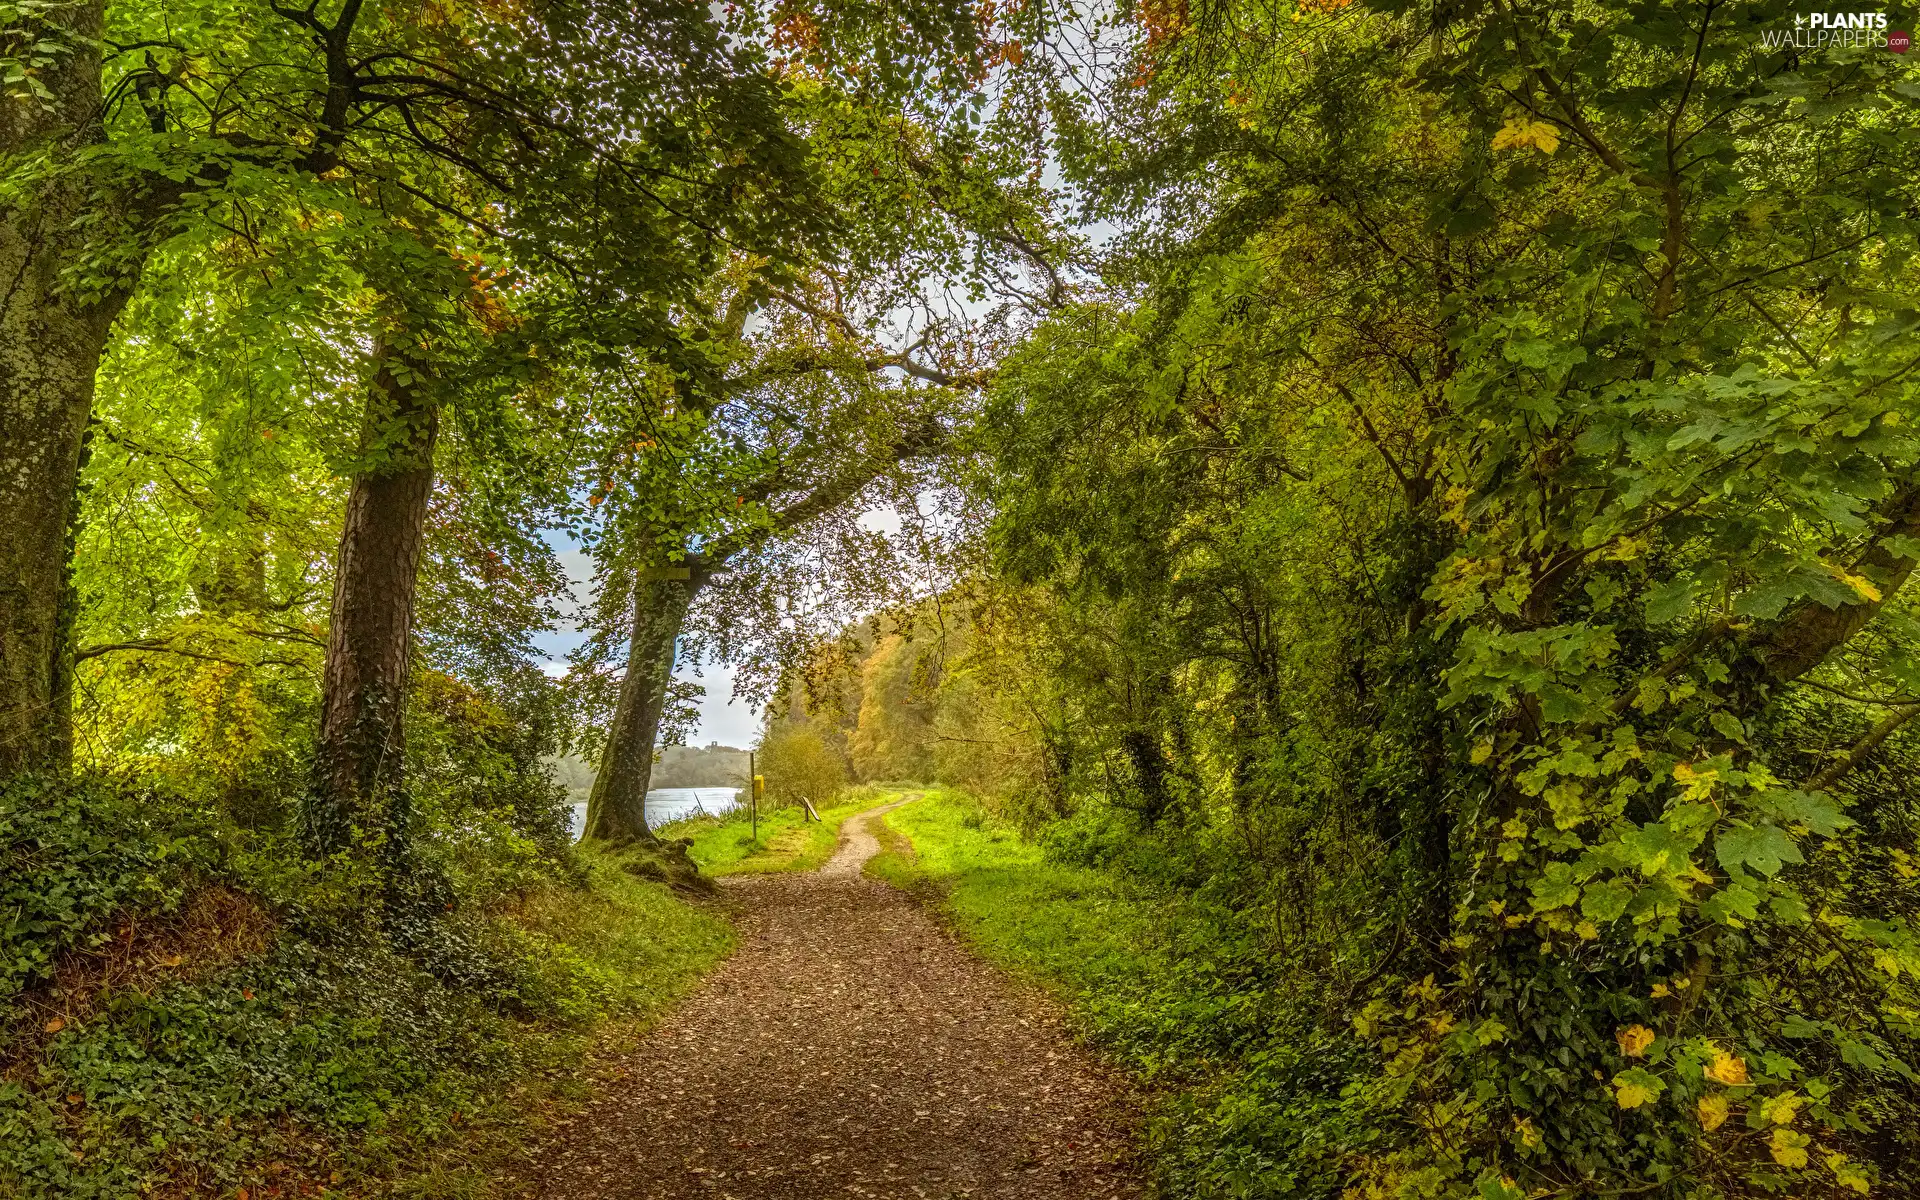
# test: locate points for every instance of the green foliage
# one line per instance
(76, 855)
(175, 1026)
(1471, 541)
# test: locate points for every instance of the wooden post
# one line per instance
(753, 796)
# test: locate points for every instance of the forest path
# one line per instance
(849, 1048)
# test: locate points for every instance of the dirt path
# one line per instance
(849, 1048)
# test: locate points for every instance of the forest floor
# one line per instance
(850, 1047)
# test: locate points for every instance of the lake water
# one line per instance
(672, 804)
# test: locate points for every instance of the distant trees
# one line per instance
(799, 764)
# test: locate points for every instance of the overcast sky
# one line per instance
(722, 719)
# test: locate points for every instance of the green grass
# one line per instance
(725, 845)
(1244, 1103)
(606, 961)
(1075, 929)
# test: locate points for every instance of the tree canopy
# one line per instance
(1424, 491)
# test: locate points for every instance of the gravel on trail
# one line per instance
(849, 1048)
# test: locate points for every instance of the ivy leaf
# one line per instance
(1765, 848)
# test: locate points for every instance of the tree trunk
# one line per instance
(51, 340)
(616, 810)
(357, 793)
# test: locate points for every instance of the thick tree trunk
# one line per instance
(357, 790)
(51, 340)
(616, 810)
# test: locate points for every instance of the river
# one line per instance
(672, 804)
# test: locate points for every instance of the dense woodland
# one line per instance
(1417, 497)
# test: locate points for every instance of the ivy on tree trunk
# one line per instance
(358, 785)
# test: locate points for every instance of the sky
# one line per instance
(722, 719)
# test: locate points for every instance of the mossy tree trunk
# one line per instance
(52, 336)
(617, 807)
(358, 791)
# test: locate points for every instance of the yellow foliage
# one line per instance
(1789, 1149)
(1781, 1109)
(1729, 1069)
(1522, 131)
(1860, 585)
(1629, 1093)
(1713, 1111)
(1634, 1040)
(1846, 1174)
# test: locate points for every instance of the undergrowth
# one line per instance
(191, 1008)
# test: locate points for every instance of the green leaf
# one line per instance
(1605, 901)
(1555, 888)
(1816, 810)
(1765, 848)
(1656, 847)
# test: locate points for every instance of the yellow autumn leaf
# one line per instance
(1861, 586)
(1781, 1109)
(1713, 1111)
(1634, 1040)
(1528, 1135)
(1729, 1069)
(1481, 752)
(1788, 1148)
(1587, 931)
(1847, 1174)
(1659, 992)
(1633, 1088)
(1632, 1095)
(1521, 131)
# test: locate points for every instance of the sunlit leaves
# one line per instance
(1637, 1087)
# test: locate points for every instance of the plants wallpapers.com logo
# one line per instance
(1838, 30)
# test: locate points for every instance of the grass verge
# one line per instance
(726, 845)
(1167, 983)
(1076, 930)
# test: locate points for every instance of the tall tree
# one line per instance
(125, 130)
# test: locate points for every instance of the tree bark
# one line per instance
(617, 807)
(51, 339)
(358, 786)
(1805, 635)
